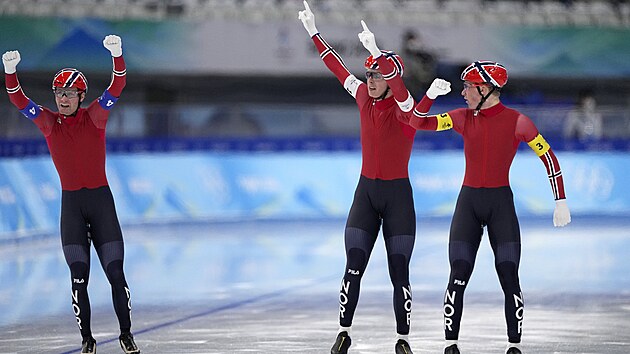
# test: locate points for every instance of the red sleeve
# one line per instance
(331, 58)
(554, 173)
(424, 123)
(45, 121)
(423, 107)
(355, 87)
(42, 117)
(526, 131)
(16, 95)
(403, 117)
(119, 76)
(394, 81)
(420, 120)
(418, 117)
(98, 110)
(458, 117)
(97, 114)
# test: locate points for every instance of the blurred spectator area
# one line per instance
(219, 110)
(530, 12)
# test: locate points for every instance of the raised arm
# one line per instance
(419, 117)
(10, 60)
(99, 112)
(391, 74)
(527, 131)
(113, 43)
(331, 58)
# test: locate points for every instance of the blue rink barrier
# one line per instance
(171, 187)
(424, 141)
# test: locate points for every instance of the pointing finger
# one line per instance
(365, 27)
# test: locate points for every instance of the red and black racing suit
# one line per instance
(77, 147)
(490, 142)
(383, 196)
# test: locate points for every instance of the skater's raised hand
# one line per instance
(438, 87)
(113, 43)
(369, 42)
(561, 214)
(308, 20)
(10, 60)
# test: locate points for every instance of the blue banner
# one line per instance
(154, 188)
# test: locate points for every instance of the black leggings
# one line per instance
(89, 216)
(390, 203)
(476, 208)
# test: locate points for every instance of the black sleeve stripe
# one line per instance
(331, 50)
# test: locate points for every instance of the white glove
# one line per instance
(10, 60)
(113, 43)
(367, 38)
(561, 215)
(438, 87)
(308, 20)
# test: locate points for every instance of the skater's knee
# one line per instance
(115, 273)
(356, 262)
(398, 269)
(460, 272)
(359, 244)
(508, 273)
(79, 271)
(111, 256)
(399, 248)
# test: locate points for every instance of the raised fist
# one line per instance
(113, 43)
(438, 87)
(10, 60)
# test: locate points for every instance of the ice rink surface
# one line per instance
(272, 287)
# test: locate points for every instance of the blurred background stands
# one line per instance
(194, 111)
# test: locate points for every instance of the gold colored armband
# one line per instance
(539, 145)
(444, 122)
